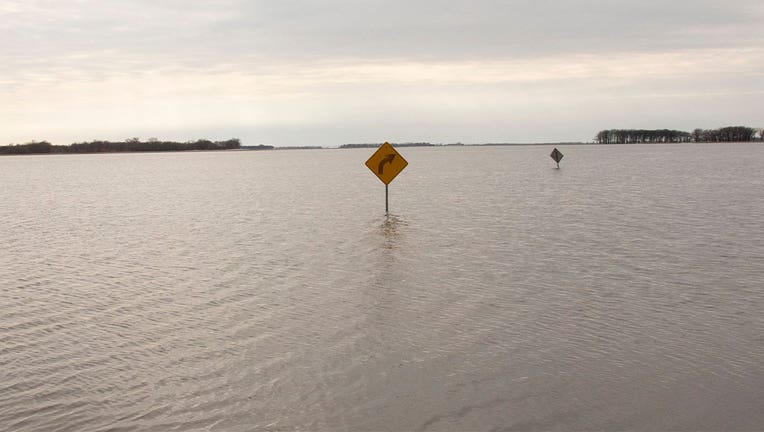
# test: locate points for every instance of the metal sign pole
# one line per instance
(386, 207)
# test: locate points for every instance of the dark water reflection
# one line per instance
(391, 231)
(268, 291)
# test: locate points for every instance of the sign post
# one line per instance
(386, 163)
(557, 156)
(386, 206)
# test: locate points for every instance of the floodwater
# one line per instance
(267, 290)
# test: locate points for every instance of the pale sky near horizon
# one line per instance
(288, 72)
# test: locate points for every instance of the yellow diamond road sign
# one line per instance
(386, 163)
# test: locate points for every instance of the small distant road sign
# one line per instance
(386, 163)
(557, 156)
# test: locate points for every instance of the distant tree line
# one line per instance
(629, 136)
(368, 145)
(725, 134)
(649, 136)
(257, 147)
(129, 145)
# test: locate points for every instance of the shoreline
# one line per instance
(356, 147)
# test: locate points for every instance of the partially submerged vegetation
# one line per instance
(649, 136)
(129, 145)
(608, 136)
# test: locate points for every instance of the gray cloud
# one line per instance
(471, 70)
(195, 33)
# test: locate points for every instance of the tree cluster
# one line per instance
(129, 145)
(33, 147)
(631, 136)
(725, 134)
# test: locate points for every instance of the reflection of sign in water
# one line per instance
(557, 156)
(386, 163)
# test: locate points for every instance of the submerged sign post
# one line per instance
(557, 156)
(386, 163)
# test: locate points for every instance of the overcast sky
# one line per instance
(328, 72)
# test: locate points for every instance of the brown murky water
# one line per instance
(268, 291)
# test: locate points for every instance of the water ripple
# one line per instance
(268, 291)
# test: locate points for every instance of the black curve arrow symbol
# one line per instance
(388, 159)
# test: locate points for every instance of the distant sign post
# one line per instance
(557, 156)
(386, 163)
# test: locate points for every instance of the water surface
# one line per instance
(243, 291)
